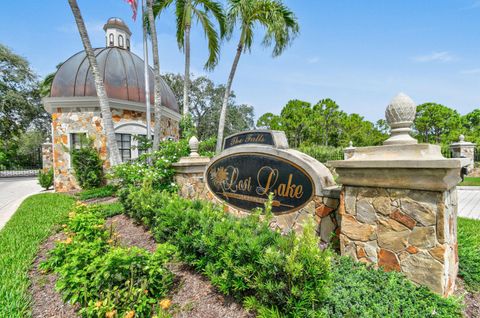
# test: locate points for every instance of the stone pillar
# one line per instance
(47, 156)
(399, 205)
(349, 151)
(189, 173)
(464, 149)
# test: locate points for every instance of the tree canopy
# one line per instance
(326, 124)
(323, 124)
(205, 103)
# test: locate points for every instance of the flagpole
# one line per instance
(147, 82)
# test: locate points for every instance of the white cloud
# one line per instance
(435, 57)
(475, 4)
(313, 60)
(472, 71)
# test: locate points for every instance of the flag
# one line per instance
(134, 5)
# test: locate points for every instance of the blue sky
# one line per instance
(359, 53)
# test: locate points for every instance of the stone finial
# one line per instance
(193, 143)
(461, 138)
(400, 114)
(350, 144)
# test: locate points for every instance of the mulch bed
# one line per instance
(46, 302)
(470, 300)
(193, 295)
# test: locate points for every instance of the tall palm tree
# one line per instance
(156, 74)
(185, 11)
(112, 147)
(280, 25)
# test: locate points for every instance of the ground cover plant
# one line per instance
(19, 240)
(278, 276)
(105, 279)
(471, 181)
(96, 193)
(469, 252)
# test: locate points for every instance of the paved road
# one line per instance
(12, 192)
(469, 202)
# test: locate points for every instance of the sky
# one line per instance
(360, 53)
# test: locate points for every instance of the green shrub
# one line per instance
(96, 193)
(207, 147)
(88, 166)
(242, 257)
(469, 252)
(322, 153)
(278, 276)
(361, 291)
(102, 277)
(156, 167)
(45, 178)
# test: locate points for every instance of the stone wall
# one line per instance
(89, 121)
(47, 156)
(322, 209)
(409, 231)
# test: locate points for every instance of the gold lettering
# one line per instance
(298, 192)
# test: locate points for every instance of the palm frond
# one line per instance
(212, 38)
(218, 13)
(180, 17)
(159, 6)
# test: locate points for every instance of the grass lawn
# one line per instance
(19, 240)
(471, 181)
(469, 252)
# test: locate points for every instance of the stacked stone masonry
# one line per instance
(409, 231)
(47, 156)
(89, 121)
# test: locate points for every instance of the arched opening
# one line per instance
(110, 39)
(120, 41)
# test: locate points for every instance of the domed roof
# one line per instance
(123, 77)
(116, 23)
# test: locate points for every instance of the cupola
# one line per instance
(117, 34)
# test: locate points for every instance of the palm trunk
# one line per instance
(114, 154)
(186, 82)
(223, 112)
(156, 73)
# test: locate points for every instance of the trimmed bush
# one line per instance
(88, 167)
(45, 178)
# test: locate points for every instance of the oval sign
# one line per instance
(244, 181)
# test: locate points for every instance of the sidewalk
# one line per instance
(469, 202)
(12, 192)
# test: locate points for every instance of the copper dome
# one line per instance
(123, 76)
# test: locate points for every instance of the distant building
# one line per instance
(75, 108)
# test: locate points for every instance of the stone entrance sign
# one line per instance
(244, 180)
(260, 137)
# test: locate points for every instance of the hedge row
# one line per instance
(278, 276)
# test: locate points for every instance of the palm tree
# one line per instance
(112, 147)
(281, 27)
(156, 74)
(185, 11)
